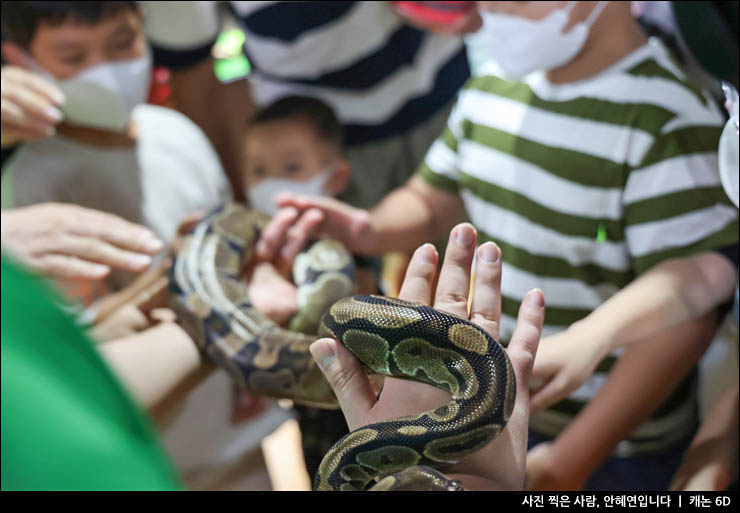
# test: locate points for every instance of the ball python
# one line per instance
(389, 336)
(213, 306)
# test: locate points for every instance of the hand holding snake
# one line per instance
(501, 463)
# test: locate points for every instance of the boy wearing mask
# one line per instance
(587, 156)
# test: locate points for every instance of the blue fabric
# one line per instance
(644, 473)
(288, 21)
(398, 52)
(450, 79)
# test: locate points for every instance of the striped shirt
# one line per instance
(584, 186)
(381, 76)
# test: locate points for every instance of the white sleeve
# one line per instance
(181, 26)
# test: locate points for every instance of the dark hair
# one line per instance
(317, 113)
(21, 19)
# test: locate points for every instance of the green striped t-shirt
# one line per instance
(584, 186)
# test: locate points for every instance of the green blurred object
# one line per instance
(601, 233)
(230, 63)
(67, 422)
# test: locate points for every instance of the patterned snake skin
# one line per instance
(389, 336)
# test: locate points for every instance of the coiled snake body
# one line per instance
(389, 336)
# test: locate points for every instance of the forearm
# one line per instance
(221, 111)
(642, 379)
(673, 292)
(412, 215)
(153, 363)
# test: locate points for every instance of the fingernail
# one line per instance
(139, 260)
(98, 271)
(489, 252)
(324, 351)
(427, 253)
(465, 236)
(536, 298)
(53, 113)
(153, 244)
(58, 96)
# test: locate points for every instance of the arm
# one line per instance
(672, 292)
(220, 110)
(152, 363)
(412, 215)
(407, 217)
(644, 376)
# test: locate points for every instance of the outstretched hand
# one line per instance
(68, 241)
(301, 217)
(501, 464)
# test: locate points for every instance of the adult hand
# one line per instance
(69, 241)
(564, 362)
(29, 106)
(501, 464)
(302, 217)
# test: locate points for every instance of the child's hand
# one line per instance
(29, 106)
(301, 217)
(272, 295)
(564, 362)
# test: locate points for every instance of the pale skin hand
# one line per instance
(64, 240)
(272, 295)
(501, 464)
(29, 106)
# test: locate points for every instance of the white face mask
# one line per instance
(261, 196)
(520, 46)
(105, 95)
(728, 147)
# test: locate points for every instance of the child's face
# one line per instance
(286, 149)
(67, 49)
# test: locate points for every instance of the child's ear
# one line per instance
(14, 55)
(339, 178)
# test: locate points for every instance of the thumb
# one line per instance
(343, 372)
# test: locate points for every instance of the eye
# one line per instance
(259, 171)
(292, 168)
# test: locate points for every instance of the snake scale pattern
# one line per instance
(389, 336)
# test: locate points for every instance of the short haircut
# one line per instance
(315, 112)
(20, 20)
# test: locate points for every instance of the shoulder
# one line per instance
(164, 126)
